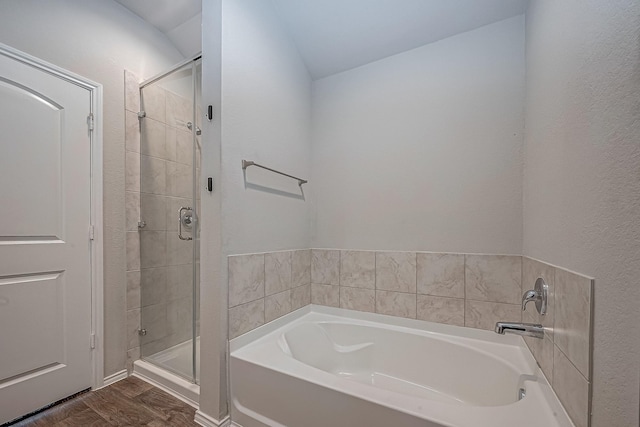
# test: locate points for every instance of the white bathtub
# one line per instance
(322, 366)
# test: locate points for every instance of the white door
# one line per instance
(45, 264)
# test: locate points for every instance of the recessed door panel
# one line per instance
(31, 323)
(32, 128)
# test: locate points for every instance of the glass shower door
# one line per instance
(169, 170)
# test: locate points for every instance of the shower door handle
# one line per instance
(186, 219)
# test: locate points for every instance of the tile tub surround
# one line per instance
(564, 355)
(266, 286)
(158, 182)
(472, 290)
(457, 289)
(417, 285)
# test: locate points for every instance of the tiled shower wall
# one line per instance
(459, 289)
(564, 355)
(158, 182)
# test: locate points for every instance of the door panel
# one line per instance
(34, 302)
(45, 264)
(33, 161)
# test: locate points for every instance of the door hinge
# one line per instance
(92, 232)
(90, 122)
(92, 341)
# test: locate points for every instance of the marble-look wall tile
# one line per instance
(133, 325)
(325, 266)
(277, 272)
(132, 171)
(440, 274)
(358, 299)
(531, 270)
(184, 147)
(542, 350)
(396, 304)
(153, 249)
(572, 318)
(358, 269)
(153, 212)
(171, 143)
(494, 278)
(396, 271)
(277, 305)
(153, 139)
(179, 110)
(441, 309)
(153, 175)
(131, 92)
(132, 131)
(246, 279)
(179, 318)
(179, 180)
(301, 267)
(153, 102)
(132, 249)
(572, 389)
(245, 317)
(133, 289)
(179, 251)
(328, 295)
(484, 315)
(153, 318)
(179, 281)
(132, 210)
(300, 296)
(153, 284)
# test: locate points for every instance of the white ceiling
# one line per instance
(165, 15)
(179, 20)
(337, 35)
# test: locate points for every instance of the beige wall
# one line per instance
(581, 181)
(97, 39)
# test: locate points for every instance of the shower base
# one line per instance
(166, 368)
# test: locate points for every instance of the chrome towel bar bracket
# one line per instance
(247, 163)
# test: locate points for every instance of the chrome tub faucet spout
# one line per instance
(539, 295)
(525, 329)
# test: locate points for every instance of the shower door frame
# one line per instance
(194, 62)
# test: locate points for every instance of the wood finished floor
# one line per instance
(130, 402)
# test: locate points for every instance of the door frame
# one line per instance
(95, 136)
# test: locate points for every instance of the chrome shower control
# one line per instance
(186, 219)
(539, 294)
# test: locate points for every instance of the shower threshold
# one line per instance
(161, 369)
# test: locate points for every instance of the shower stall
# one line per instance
(169, 233)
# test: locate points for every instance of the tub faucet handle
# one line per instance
(538, 294)
(528, 296)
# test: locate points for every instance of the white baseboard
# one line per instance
(114, 378)
(208, 421)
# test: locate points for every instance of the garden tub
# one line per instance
(322, 366)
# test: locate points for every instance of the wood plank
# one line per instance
(131, 387)
(167, 407)
(117, 409)
(130, 402)
(86, 418)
